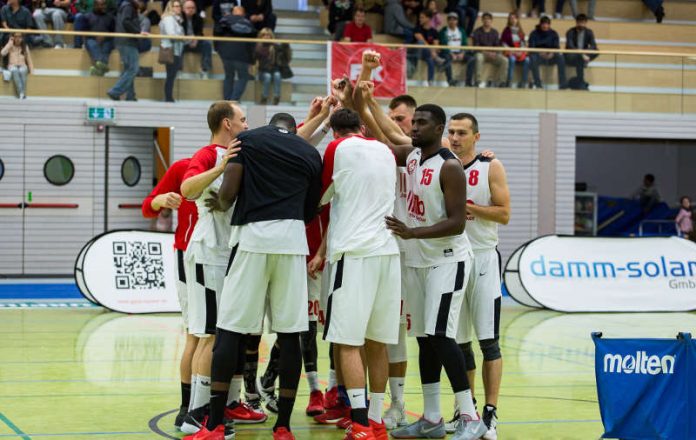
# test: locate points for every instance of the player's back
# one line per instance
(360, 174)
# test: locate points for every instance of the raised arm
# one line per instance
(499, 211)
(364, 88)
(399, 143)
(311, 126)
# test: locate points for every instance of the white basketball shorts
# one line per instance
(481, 305)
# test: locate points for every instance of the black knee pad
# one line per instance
(468, 356)
(306, 338)
(490, 349)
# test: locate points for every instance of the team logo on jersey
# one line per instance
(411, 166)
(284, 131)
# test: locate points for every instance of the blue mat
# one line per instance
(39, 291)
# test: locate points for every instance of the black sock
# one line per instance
(185, 394)
(331, 357)
(269, 377)
(251, 364)
(218, 399)
(359, 415)
(285, 405)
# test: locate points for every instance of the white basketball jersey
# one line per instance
(426, 207)
(401, 205)
(483, 234)
(209, 241)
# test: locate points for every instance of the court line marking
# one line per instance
(15, 428)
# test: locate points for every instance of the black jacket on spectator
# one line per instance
(340, 10)
(590, 42)
(544, 39)
(235, 26)
(195, 27)
(127, 21)
(252, 7)
(221, 6)
(101, 22)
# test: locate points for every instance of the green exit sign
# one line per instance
(101, 114)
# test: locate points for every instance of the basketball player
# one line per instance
(275, 186)
(438, 264)
(488, 204)
(167, 195)
(206, 259)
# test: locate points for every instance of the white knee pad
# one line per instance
(397, 352)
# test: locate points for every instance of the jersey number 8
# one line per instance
(473, 177)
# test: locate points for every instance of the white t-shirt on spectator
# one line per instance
(454, 38)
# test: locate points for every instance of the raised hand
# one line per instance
(371, 59)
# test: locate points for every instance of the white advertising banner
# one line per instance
(597, 274)
(129, 271)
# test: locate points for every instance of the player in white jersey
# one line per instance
(488, 204)
(439, 262)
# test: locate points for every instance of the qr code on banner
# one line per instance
(139, 265)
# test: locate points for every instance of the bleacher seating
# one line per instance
(620, 217)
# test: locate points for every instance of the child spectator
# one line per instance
(395, 21)
(171, 24)
(468, 12)
(513, 36)
(684, 221)
(193, 25)
(580, 37)
(487, 36)
(99, 48)
(19, 63)
(271, 58)
(545, 37)
(260, 13)
(357, 31)
(55, 11)
(455, 36)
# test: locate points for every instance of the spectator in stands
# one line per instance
(545, 37)
(236, 57)
(55, 11)
(144, 44)
(99, 48)
(684, 219)
(468, 12)
(85, 7)
(647, 194)
(19, 63)
(271, 58)
(437, 22)
(513, 36)
(340, 12)
(357, 31)
(15, 16)
(426, 35)
(412, 8)
(127, 22)
(580, 37)
(455, 36)
(222, 8)
(538, 7)
(487, 36)
(260, 13)
(574, 8)
(172, 24)
(656, 8)
(193, 25)
(395, 21)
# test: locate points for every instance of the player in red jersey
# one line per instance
(167, 195)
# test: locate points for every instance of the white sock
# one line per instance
(376, 407)
(431, 402)
(396, 387)
(194, 387)
(235, 389)
(357, 398)
(466, 404)
(202, 391)
(313, 381)
(332, 379)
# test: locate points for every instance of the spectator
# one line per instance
(172, 24)
(647, 194)
(84, 7)
(545, 37)
(685, 225)
(376, 6)
(357, 31)
(340, 11)
(127, 22)
(236, 57)
(271, 58)
(19, 63)
(413, 8)
(193, 25)
(144, 44)
(55, 11)
(454, 36)
(468, 12)
(574, 8)
(656, 8)
(426, 35)
(222, 8)
(580, 37)
(395, 21)
(99, 48)
(15, 16)
(487, 36)
(437, 22)
(513, 36)
(538, 7)
(260, 13)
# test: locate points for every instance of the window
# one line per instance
(2, 169)
(59, 170)
(130, 171)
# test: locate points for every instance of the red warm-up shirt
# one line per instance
(357, 34)
(187, 213)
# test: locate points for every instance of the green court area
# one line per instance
(90, 374)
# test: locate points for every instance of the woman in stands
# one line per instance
(19, 63)
(272, 58)
(513, 36)
(172, 24)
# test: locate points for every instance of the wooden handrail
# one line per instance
(396, 45)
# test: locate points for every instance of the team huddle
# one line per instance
(371, 236)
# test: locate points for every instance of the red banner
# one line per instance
(389, 78)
